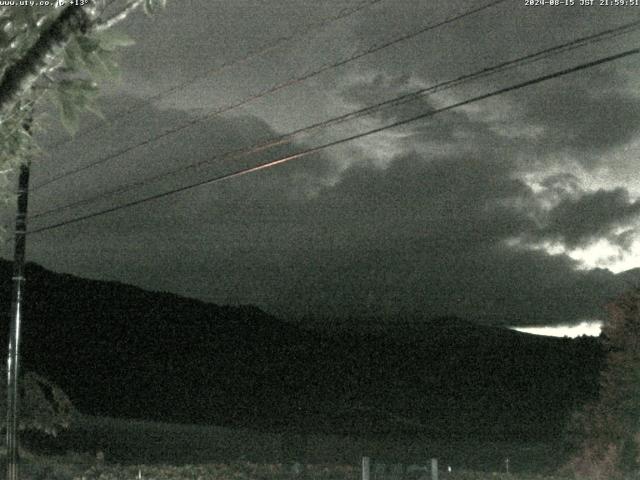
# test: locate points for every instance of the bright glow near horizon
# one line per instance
(591, 328)
(600, 254)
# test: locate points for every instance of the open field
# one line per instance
(81, 468)
(152, 450)
(129, 442)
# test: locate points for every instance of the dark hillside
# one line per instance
(124, 352)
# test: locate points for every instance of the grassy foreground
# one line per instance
(78, 467)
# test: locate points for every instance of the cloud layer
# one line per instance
(458, 214)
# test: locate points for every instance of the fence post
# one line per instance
(434, 469)
(366, 468)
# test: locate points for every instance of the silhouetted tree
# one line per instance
(606, 433)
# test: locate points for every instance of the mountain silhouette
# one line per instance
(121, 351)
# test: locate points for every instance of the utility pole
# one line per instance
(16, 318)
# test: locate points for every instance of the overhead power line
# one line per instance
(265, 92)
(399, 100)
(297, 34)
(319, 148)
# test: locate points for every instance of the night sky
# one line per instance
(521, 209)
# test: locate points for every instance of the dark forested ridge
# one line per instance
(120, 351)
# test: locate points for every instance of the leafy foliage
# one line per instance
(152, 6)
(71, 81)
(73, 96)
(44, 407)
(18, 28)
(606, 433)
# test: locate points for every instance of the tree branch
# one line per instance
(20, 76)
(118, 17)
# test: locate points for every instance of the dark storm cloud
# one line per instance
(586, 115)
(448, 199)
(561, 184)
(118, 237)
(490, 285)
(423, 232)
(118, 155)
(420, 238)
(369, 91)
(589, 122)
(426, 235)
(591, 216)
